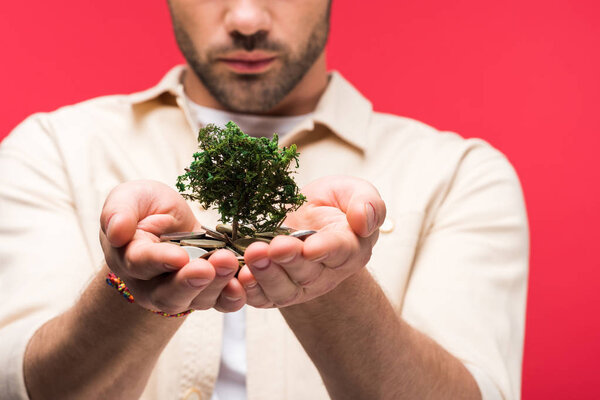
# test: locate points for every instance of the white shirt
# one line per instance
(452, 260)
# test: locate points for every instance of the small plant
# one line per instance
(246, 178)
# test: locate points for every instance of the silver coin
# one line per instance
(204, 243)
(302, 234)
(284, 230)
(194, 252)
(182, 235)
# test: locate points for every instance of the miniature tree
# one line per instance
(246, 178)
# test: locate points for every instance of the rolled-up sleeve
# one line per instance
(468, 285)
(43, 255)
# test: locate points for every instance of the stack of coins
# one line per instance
(202, 244)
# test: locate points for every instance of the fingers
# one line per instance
(255, 296)
(121, 213)
(288, 271)
(272, 278)
(225, 265)
(157, 224)
(358, 199)
(144, 259)
(290, 254)
(199, 286)
(332, 248)
(119, 226)
(175, 292)
(155, 205)
(232, 298)
(365, 211)
(134, 215)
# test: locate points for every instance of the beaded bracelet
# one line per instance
(116, 282)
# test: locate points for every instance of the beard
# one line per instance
(253, 93)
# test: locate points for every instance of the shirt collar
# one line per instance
(342, 109)
(170, 83)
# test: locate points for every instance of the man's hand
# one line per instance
(347, 213)
(160, 275)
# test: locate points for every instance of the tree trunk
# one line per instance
(234, 229)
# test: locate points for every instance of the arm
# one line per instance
(475, 246)
(337, 327)
(340, 315)
(363, 350)
(104, 347)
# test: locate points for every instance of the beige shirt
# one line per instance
(452, 257)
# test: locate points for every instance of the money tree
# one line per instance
(247, 179)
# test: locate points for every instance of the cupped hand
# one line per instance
(347, 213)
(160, 275)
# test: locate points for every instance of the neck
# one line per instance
(302, 99)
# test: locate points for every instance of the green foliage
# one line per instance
(246, 178)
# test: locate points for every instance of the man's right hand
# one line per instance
(159, 275)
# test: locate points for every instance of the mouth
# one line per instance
(248, 63)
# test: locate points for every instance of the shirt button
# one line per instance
(193, 394)
(387, 226)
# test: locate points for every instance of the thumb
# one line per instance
(147, 205)
(365, 210)
(120, 228)
(119, 217)
(357, 198)
(365, 214)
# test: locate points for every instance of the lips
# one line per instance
(248, 63)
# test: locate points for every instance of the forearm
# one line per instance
(103, 347)
(362, 349)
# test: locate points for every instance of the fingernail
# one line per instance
(370, 211)
(232, 298)
(171, 267)
(287, 259)
(223, 271)
(198, 282)
(110, 224)
(251, 285)
(261, 264)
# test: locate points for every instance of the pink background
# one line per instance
(523, 75)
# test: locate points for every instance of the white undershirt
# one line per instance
(253, 125)
(231, 381)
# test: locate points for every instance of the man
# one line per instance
(438, 312)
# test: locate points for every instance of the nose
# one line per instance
(247, 17)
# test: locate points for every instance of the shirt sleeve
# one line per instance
(467, 289)
(44, 261)
(487, 388)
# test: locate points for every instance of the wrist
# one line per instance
(354, 289)
(101, 332)
(102, 305)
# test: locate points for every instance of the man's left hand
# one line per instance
(346, 212)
